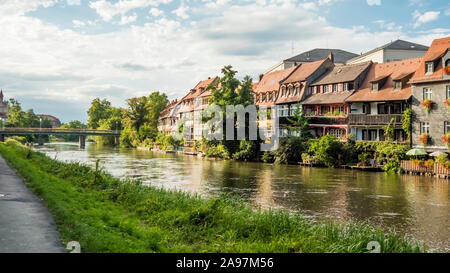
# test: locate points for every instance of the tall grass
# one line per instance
(106, 214)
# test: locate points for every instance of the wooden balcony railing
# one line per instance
(363, 119)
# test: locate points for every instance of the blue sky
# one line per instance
(58, 55)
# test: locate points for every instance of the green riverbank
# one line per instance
(106, 214)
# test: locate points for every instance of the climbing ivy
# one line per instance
(406, 122)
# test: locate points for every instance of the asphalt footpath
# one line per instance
(26, 225)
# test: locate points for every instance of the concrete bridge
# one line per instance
(81, 133)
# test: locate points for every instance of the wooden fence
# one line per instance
(437, 169)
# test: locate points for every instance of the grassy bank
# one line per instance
(106, 214)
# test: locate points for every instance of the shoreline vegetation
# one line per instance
(107, 214)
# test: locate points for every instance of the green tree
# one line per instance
(16, 116)
(327, 150)
(406, 122)
(100, 109)
(300, 124)
(141, 118)
(228, 90)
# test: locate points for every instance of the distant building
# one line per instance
(318, 54)
(3, 108)
(384, 95)
(397, 50)
(325, 102)
(56, 123)
(431, 82)
(168, 117)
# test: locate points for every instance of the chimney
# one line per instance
(260, 77)
(331, 57)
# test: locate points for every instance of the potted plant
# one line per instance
(417, 162)
(447, 103)
(446, 139)
(429, 163)
(424, 139)
(446, 69)
(426, 104)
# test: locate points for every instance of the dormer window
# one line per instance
(274, 96)
(397, 85)
(325, 89)
(296, 90)
(335, 87)
(374, 86)
(429, 68)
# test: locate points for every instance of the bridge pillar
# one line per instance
(116, 140)
(81, 142)
(40, 140)
(2, 138)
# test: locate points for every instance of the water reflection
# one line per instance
(416, 205)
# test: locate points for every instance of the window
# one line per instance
(283, 92)
(290, 91)
(274, 96)
(324, 110)
(382, 109)
(297, 91)
(396, 108)
(267, 97)
(348, 86)
(374, 86)
(325, 89)
(448, 91)
(293, 108)
(427, 92)
(397, 85)
(425, 127)
(429, 68)
(366, 108)
(335, 87)
(283, 110)
(446, 127)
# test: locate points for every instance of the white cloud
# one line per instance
(73, 2)
(181, 11)
(391, 26)
(108, 10)
(127, 19)
(59, 71)
(422, 18)
(78, 23)
(156, 12)
(308, 6)
(373, 2)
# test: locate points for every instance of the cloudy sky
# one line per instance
(58, 55)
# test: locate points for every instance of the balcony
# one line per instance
(328, 120)
(363, 119)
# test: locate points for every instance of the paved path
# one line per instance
(25, 223)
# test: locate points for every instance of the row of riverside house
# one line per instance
(343, 93)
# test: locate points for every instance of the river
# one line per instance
(415, 205)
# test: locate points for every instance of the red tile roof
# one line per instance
(437, 49)
(303, 71)
(271, 81)
(343, 73)
(199, 88)
(394, 71)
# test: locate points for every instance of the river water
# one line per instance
(415, 205)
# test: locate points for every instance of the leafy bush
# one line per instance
(218, 150)
(267, 157)
(392, 167)
(248, 150)
(289, 150)
(327, 150)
